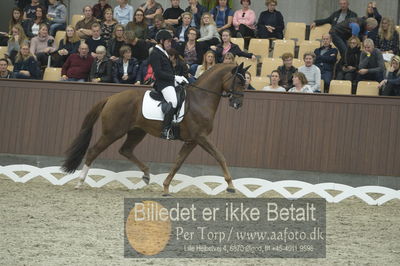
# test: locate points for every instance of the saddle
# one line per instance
(180, 91)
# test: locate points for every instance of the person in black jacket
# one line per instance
(172, 15)
(126, 68)
(181, 30)
(325, 59)
(372, 12)
(117, 41)
(26, 66)
(139, 47)
(31, 26)
(101, 70)
(270, 23)
(336, 17)
(348, 65)
(165, 78)
(227, 46)
(179, 65)
(158, 25)
(67, 46)
(351, 27)
(286, 71)
(95, 40)
(372, 65)
(391, 83)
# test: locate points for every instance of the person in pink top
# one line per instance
(244, 21)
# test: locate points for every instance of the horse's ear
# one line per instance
(238, 69)
(246, 68)
(234, 69)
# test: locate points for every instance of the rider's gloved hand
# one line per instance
(180, 80)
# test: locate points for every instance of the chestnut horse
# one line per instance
(121, 114)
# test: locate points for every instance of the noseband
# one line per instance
(231, 91)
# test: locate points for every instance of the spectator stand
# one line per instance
(369, 88)
(340, 87)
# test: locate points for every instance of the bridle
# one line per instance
(231, 91)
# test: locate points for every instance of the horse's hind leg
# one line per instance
(214, 152)
(186, 149)
(92, 154)
(133, 138)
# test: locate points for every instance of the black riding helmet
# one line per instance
(163, 35)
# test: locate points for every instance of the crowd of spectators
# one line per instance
(112, 44)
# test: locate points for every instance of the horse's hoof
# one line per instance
(146, 179)
(78, 186)
(166, 195)
(231, 190)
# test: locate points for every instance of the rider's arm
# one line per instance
(158, 71)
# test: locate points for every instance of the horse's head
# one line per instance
(234, 85)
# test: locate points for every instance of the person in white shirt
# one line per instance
(300, 83)
(311, 71)
(123, 13)
(275, 78)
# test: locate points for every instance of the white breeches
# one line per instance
(170, 95)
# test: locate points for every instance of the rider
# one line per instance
(165, 78)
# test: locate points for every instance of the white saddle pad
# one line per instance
(152, 111)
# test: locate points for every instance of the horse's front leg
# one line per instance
(214, 152)
(186, 149)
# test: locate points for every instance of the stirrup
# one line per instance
(167, 134)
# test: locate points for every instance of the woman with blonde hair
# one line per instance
(372, 12)
(14, 42)
(107, 25)
(387, 39)
(208, 32)
(26, 66)
(228, 58)
(16, 18)
(43, 44)
(208, 62)
(67, 46)
(300, 83)
(391, 84)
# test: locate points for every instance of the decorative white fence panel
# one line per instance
(263, 186)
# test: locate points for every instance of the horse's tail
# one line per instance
(77, 150)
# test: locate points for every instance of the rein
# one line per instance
(224, 94)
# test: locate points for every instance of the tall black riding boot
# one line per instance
(166, 132)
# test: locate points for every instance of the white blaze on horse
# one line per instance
(121, 114)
